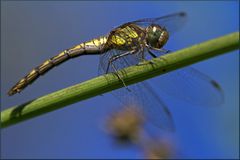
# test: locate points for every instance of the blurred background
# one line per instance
(32, 32)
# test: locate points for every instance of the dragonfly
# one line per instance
(130, 44)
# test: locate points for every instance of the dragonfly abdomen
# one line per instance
(37, 71)
(95, 46)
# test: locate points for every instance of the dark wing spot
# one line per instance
(216, 85)
(183, 14)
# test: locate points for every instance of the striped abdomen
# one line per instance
(95, 46)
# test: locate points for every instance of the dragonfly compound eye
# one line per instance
(156, 36)
(163, 38)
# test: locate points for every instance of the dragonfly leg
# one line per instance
(119, 77)
(151, 62)
(162, 50)
(152, 54)
(114, 58)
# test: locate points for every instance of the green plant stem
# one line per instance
(109, 82)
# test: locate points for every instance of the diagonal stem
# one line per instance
(109, 82)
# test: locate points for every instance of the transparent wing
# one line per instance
(172, 22)
(190, 85)
(141, 94)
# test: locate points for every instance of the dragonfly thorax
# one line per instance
(156, 36)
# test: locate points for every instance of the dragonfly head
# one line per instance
(156, 36)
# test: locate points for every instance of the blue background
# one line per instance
(32, 32)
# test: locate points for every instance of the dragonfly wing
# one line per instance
(172, 22)
(140, 94)
(120, 63)
(152, 107)
(190, 85)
